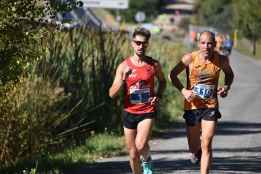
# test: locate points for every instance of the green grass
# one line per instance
(96, 147)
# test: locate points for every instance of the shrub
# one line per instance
(29, 113)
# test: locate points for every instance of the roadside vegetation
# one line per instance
(55, 112)
(61, 104)
(53, 92)
(245, 47)
(95, 147)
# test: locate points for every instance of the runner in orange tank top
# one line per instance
(201, 110)
(136, 75)
(205, 74)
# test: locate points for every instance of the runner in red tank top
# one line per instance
(137, 74)
(139, 87)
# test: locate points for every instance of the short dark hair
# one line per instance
(212, 35)
(142, 31)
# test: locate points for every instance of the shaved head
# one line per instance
(209, 34)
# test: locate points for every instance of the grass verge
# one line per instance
(96, 147)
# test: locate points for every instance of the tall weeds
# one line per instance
(83, 62)
(28, 111)
(66, 88)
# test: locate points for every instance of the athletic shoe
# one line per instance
(195, 158)
(147, 166)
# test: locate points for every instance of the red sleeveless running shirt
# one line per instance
(139, 87)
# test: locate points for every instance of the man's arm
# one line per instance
(117, 83)
(161, 79)
(185, 61)
(229, 76)
(181, 66)
(174, 75)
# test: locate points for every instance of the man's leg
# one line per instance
(134, 156)
(142, 138)
(208, 132)
(193, 136)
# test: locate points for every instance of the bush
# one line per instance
(29, 113)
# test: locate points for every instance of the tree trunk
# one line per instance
(254, 46)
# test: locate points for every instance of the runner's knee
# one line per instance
(206, 144)
(141, 146)
(133, 153)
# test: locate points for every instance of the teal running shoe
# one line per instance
(147, 166)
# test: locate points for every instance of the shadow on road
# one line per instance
(238, 163)
(216, 150)
(230, 164)
(167, 164)
(238, 128)
(224, 128)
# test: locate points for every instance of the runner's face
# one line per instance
(206, 44)
(139, 43)
(219, 42)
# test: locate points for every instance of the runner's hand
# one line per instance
(204, 53)
(188, 94)
(154, 100)
(222, 91)
(126, 72)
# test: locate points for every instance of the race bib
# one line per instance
(138, 96)
(204, 91)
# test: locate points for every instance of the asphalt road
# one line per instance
(237, 144)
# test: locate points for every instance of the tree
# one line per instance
(248, 20)
(217, 14)
(21, 30)
(138, 5)
(18, 39)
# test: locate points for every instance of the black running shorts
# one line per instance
(195, 116)
(131, 120)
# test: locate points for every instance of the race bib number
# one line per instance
(138, 96)
(204, 91)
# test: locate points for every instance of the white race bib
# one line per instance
(204, 91)
(138, 96)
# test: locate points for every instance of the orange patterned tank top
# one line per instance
(202, 78)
